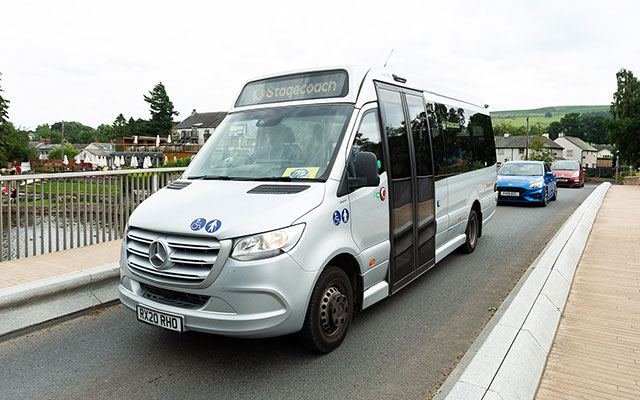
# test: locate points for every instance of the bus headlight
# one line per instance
(536, 185)
(268, 244)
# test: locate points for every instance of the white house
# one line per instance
(604, 151)
(513, 148)
(576, 149)
(98, 150)
(199, 126)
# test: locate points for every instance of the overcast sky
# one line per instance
(88, 61)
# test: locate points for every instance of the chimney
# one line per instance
(561, 134)
(193, 112)
(545, 135)
(506, 134)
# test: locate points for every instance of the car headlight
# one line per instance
(536, 185)
(268, 244)
(575, 174)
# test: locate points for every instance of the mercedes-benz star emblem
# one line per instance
(159, 254)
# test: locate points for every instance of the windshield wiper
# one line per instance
(210, 177)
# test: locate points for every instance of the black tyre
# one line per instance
(472, 232)
(555, 194)
(329, 312)
(545, 198)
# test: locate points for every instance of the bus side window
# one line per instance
(368, 138)
(434, 111)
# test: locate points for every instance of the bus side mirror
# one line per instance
(366, 171)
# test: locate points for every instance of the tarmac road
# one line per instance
(400, 348)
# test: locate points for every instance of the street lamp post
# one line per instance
(617, 164)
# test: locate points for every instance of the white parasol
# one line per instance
(66, 160)
(166, 160)
(157, 140)
(134, 162)
(169, 139)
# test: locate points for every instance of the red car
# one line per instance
(569, 173)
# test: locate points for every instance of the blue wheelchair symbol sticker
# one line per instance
(336, 218)
(198, 223)
(213, 225)
(345, 215)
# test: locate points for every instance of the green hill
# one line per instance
(541, 115)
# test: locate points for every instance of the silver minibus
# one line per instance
(322, 192)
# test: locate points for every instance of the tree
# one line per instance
(624, 128)
(4, 107)
(14, 144)
(69, 151)
(75, 132)
(554, 129)
(537, 152)
(571, 125)
(548, 114)
(502, 127)
(594, 128)
(162, 112)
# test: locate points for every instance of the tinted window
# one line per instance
(368, 137)
(420, 133)
(435, 113)
(484, 147)
(396, 131)
(468, 139)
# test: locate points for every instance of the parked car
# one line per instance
(526, 182)
(568, 172)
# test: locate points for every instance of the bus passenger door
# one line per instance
(411, 190)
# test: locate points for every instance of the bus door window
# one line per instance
(424, 180)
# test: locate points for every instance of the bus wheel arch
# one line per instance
(332, 305)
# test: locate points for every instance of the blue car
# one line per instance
(526, 182)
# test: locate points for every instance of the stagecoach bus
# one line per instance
(321, 193)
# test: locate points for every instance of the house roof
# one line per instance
(521, 142)
(581, 144)
(603, 147)
(202, 120)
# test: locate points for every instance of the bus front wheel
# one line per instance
(329, 312)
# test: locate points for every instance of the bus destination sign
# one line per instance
(307, 86)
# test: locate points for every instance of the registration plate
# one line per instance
(167, 321)
(510, 194)
(562, 180)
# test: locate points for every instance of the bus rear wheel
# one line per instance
(472, 232)
(329, 313)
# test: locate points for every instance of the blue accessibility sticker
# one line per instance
(213, 225)
(336, 218)
(198, 223)
(345, 215)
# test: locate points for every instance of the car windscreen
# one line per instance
(565, 166)
(281, 143)
(520, 169)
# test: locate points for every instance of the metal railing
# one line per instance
(52, 212)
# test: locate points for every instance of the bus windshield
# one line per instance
(282, 143)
